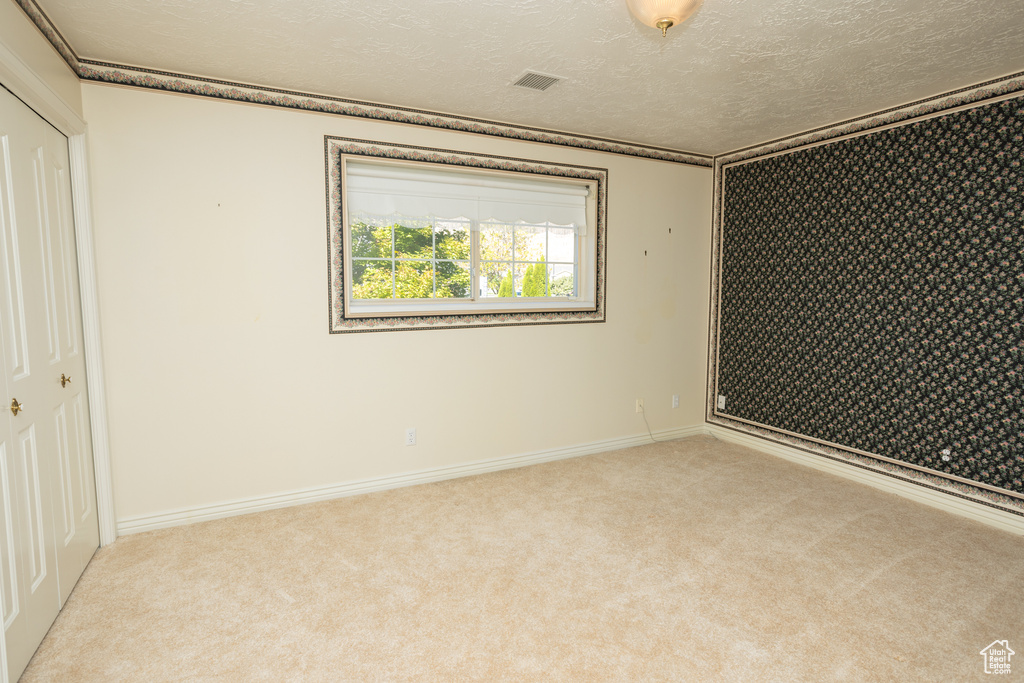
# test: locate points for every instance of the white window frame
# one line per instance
(366, 315)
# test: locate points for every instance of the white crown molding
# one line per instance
(130, 525)
(28, 87)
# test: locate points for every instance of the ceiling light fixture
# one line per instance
(663, 14)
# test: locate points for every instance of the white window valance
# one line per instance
(388, 190)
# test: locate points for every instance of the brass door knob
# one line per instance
(15, 406)
(64, 380)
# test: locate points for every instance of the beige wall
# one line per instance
(20, 36)
(223, 382)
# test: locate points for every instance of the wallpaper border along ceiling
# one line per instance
(121, 74)
(966, 100)
(127, 75)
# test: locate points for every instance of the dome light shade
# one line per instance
(663, 14)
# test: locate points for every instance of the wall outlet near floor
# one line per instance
(675, 400)
(410, 437)
(946, 455)
(639, 405)
(721, 401)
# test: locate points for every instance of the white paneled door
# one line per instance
(48, 522)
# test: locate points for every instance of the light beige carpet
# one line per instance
(687, 560)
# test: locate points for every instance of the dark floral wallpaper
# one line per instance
(872, 293)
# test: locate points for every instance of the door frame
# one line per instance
(27, 86)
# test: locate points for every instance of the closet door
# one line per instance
(75, 517)
(48, 500)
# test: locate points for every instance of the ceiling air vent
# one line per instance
(537, 81)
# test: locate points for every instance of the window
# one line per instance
(462, 241)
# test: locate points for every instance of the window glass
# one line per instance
(422, 233)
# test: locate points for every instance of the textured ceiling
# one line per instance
(736, 74)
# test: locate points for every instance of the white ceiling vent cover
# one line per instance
(537, 81)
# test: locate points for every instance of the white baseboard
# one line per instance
(937, 499)
(130, 525)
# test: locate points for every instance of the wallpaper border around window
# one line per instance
(335, 147)
(995, 91)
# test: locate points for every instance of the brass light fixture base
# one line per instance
(663, 14)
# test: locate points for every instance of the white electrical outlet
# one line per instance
(946, 453)
(721, 401)
(675, 400)
(410, 437)
(639, 405)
